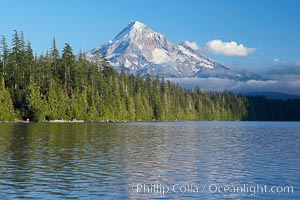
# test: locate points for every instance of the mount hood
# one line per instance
(141, 50)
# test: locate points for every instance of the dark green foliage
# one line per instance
(262, 109)
(6, 108)
(36, 103)
(52, 87)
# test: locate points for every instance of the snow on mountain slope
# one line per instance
(142, 50)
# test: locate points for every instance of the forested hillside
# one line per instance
(60, 86)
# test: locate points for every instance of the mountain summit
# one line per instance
(142, 50)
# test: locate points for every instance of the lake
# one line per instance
(176, 160)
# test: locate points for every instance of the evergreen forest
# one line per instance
(62, 85)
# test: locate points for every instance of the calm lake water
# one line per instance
(200, 160)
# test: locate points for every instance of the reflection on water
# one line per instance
(95, 161)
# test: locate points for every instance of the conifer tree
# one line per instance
(68, 67)
(4, 56)
(54, 54)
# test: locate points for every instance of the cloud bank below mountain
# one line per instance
(284, 78)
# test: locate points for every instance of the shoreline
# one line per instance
(47, 121)
(116, 121)
(65, 121)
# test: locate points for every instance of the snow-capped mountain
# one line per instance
(140, 49)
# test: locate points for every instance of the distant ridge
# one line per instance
(273, 95)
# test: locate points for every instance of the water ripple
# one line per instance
(108, 161)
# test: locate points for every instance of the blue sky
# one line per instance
(271, 28)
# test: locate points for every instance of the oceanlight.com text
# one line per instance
(249, 189)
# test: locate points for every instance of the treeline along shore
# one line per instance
(62, 86)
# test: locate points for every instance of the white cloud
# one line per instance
(192, 45)
(276, 60)
(228, 48)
